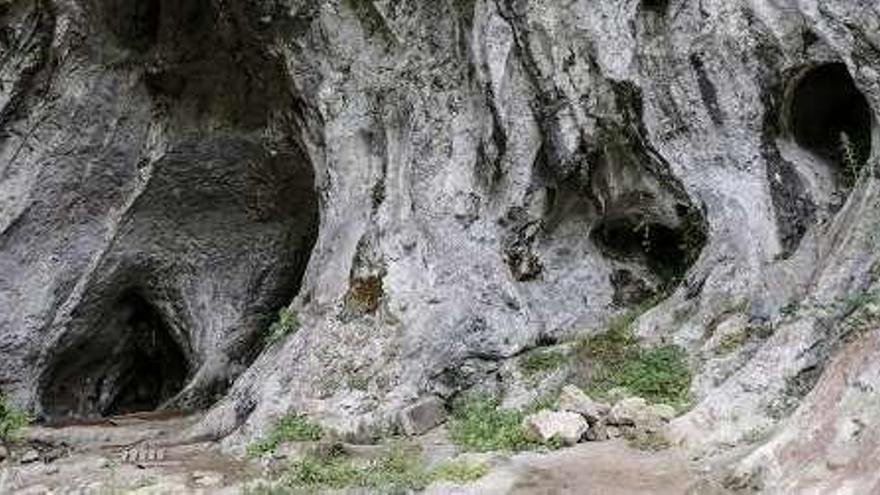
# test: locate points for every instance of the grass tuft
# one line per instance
(479, 425)
(292, 427)
(459, 471)
(12, 421)
(541, 362)
(286, 324)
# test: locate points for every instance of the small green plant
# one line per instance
(615, 359)
(286, 324)
(479, 425)
(12, 421)
(459, 471)
(292, 427)
(850, 159)
(397, 470)
(541, 362)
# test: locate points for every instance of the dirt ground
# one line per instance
(143, 455)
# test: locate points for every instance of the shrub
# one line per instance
(479, 425)
(292, 427)
(12, 421)
(286, 324)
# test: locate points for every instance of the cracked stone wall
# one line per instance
(478, 177)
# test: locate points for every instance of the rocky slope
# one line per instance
(439, 187)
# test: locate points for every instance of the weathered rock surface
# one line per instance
(574, 400)
(438, 187)
(568, 427)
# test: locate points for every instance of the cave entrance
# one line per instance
(665, 250)
(830, 117)
(132, 363)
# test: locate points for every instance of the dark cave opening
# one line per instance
(134, 23)
(663, 249)
(831, 117)
(131, 364)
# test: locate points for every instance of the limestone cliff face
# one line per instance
(438, 187)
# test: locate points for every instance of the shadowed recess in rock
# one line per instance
(132, 363)
(830, 117)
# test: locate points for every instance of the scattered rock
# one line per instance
(30, 456)
(613, 432)
(423, 416)
(207, 478)
(663, 411)
(598, 432)
(574, 400)
(567, 426)
(628, 411)
(617, 394)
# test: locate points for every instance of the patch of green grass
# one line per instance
(541, 362)
(615, 359)
(459, 471)
(292, 427)
(286, 324)
(479, 425)
(397, 470)
(12, 421)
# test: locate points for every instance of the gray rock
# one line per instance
(663, 412)
(569, 427)
(599, 432)
(628, 412)
(573, 399)
(434, 190)
(30, 456)
(422, 416)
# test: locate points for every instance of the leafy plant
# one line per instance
(479, 425)
(12, 421)
(286, 324)
(292, 427)
(541, 361)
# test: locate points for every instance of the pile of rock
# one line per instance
(578, 418)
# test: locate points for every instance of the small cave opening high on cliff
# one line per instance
(132, 364)
(830, 117)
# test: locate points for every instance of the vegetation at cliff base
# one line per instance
(292, 427)
(614, 358)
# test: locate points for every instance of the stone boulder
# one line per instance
(422, 416)
(572, 399)
(567, 426)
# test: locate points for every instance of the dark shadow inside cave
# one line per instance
(667, 251)
(831, 117)
(133, 363)
(134, 23)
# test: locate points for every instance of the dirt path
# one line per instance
(140, 454)
(143, 455)
(600, 468)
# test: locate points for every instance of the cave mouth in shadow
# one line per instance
(830, 117)
(132, 363)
